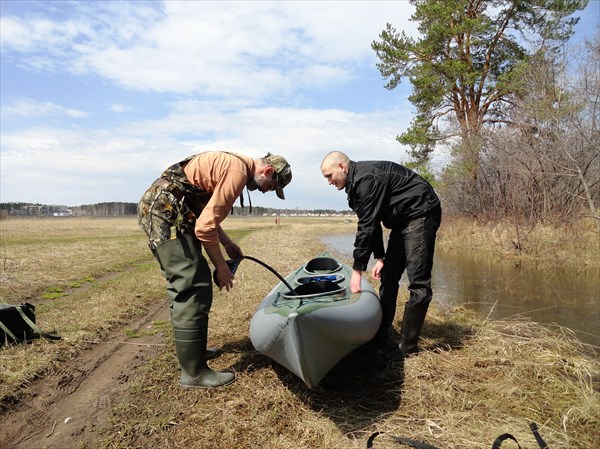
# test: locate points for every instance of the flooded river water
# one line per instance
(499, 289)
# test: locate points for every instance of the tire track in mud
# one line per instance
(70, 406)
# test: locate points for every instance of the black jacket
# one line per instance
(388, 193)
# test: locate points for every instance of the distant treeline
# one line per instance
(112, 209)
(262, 211)
(119, 209)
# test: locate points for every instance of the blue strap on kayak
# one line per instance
(327, 277)
(323, 278)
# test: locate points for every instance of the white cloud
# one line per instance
(230, 74)
(118, 165)
(120, 108)
(27, 107)
(237, 49)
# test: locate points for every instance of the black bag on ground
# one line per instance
(17, 324)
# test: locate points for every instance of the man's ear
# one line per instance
(268, 170)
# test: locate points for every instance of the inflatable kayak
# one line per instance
(310, 329)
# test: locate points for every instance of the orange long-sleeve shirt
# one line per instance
(224, 176)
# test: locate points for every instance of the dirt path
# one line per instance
(68, 408)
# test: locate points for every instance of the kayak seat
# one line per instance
(314, 289)
(322, 265)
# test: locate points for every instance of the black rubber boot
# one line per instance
(190, 345)
(412, 323)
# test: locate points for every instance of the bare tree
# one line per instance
(546, 164)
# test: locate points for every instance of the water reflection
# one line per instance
(499, 289)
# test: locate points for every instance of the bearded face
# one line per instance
(262, 182)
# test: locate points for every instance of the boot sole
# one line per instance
(207, 386)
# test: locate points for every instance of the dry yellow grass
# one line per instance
(475, 379)
(562, 244)
(39, 254)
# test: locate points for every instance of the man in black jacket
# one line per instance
(383, 192)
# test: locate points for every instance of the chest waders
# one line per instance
(167, 213)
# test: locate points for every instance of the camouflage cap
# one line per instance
(283, 171)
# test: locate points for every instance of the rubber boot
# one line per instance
(189, 290)
(190, 345)
(412, 323)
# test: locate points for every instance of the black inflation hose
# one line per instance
(260, 262)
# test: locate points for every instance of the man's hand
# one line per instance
(225, 277)
(355, 281)
(376, 271)
(224, 274)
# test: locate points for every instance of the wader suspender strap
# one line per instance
(9, 333)
(32, 325)
(401, 440)
(540, 441)
(37, 329)
(496, 445)
(242, 193)
(176, 183)
(507, 436)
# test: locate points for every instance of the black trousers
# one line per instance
(410, 247)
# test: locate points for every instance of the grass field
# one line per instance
(474, 381)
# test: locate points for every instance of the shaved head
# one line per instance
(335, 169)
(335, 158)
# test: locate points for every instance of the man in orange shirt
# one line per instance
(182, 212)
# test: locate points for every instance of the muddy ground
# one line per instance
(70, 406)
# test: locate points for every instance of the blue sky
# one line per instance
(97, 98)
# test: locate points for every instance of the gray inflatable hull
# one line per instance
(310, 330)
